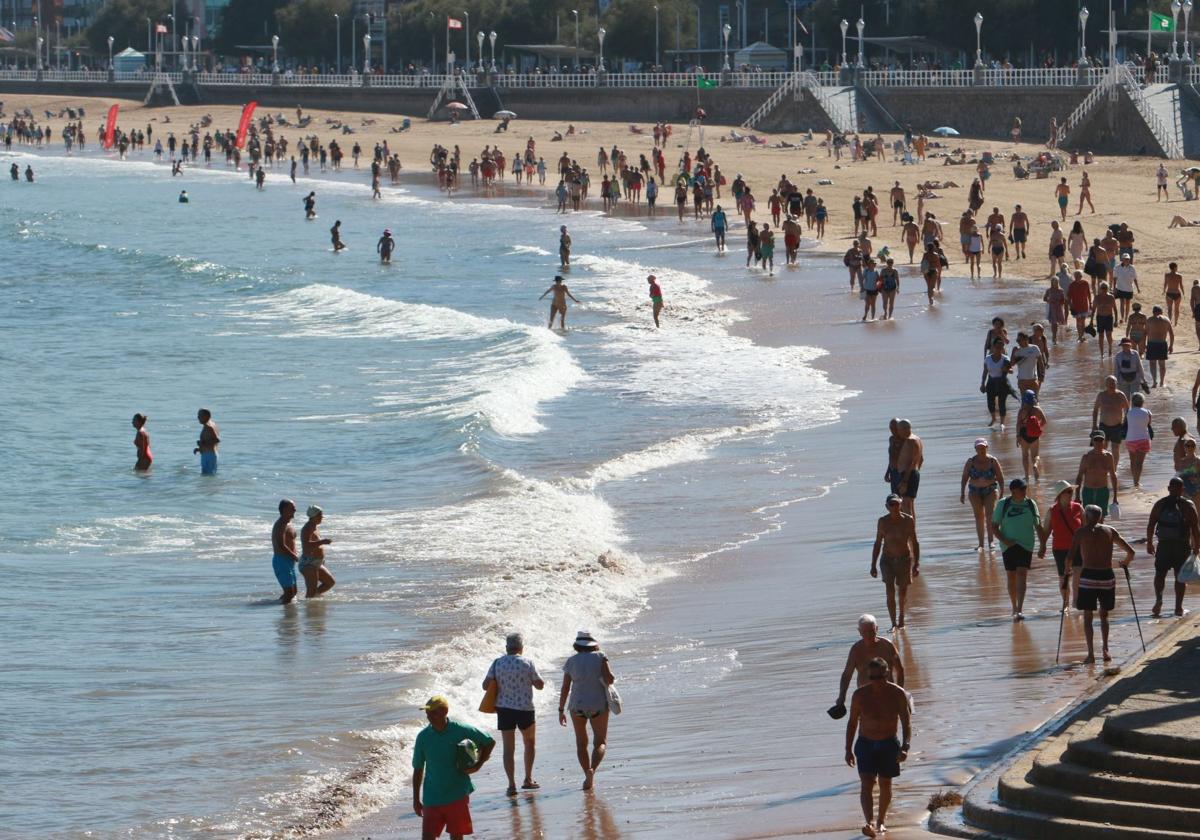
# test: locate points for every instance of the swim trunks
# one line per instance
(1019, 235)
(208, 463)
(1156, 351)
(1062, 201)
(1104, 323)
(1017, 557)
(509, 719)
(877, 758)
(1170, 555)
(1113, 434)
(314, 562)
(914, 483)
(285, 570)
(896, 570)
(1097, 588)
(1097, 496)
(454, 817)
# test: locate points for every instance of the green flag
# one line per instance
(1161, 23)
(705, 83)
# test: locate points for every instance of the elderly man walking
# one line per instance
(515, 678)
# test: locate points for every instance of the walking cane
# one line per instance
(1062, 614)
(1135, 613)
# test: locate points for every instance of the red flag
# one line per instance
(453, 23)
(110, 128)
(160, 28)
(244, 125)
(800, 23)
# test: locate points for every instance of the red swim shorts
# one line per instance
(454, 818)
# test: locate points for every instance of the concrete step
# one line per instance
(1016, 790)
(1053, 768)
(1089, 750)
(1155, 725)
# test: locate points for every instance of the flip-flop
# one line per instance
(531, 786)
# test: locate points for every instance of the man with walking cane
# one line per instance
(1094, 543)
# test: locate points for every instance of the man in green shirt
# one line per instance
(1017, 524)
(448, 788)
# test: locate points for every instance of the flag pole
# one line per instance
(1149, 16)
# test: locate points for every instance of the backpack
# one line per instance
(1033, 427)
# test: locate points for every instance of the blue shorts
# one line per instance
(877, 758)
(285, 570)
(208, 463)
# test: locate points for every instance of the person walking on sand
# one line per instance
(656, 297)
(1173, 521)
(1097, 470)
(1064, 519)
(385, 246)
(870, 646)
(877, 710)
(515, 678)
(1108, 415)
(994, 383)
(1031, 423)
(719, 224)
(1161, 178)
(558, 303)
(1160, 343)
(441, 787)
(564, 247)
(1017, 523)
(1173, 292)
(1127, 368)
(317, 579)
(1085, 194)
(900, 560)
(1125, 283)
(141, 442)
(1079, 300)
(1062, 194)
(906, 478)
(982, 480)
(1138, 435)
(208, 444)
(585, 695)
(335, 235)
(283, 551)
(1094, 543)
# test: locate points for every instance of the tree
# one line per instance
(247, 22)
(307, 29)
(125, 21)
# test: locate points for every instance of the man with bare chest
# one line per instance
(1160, 343)
(1108, 416)
(1094, 543)
(871, 646)
(877, 710)
(558, 303)
(1104, 311)
(1096, 470)
(906, 477)
(900, 562)
(283, 547)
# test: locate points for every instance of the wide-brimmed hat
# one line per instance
(1061, 486)
(584, 639)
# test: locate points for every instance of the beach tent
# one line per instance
(763, 55)
(129, 60)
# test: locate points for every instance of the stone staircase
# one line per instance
(1164, 101)
(833, 103)
(1129, 770)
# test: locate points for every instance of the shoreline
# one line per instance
(758, 304)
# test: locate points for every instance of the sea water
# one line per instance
(480, 473)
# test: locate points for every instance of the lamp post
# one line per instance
(600, 33)
(467, 62)
(861, 25)
(576, 13)
(149, 38)
(337, 23)
(172, 42)
(195, 52)
(1187, 14)
(741, 32)
(110, 58)
(40, 41)
(479, 36)
(492, 39)
(1083, 19)
(353, 42)
(978, 40)
(367, 54)
(1176, 6)
(844, 25)
(274, 53)
(725, 30)
(656, 37)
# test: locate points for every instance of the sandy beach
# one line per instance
(734, 741)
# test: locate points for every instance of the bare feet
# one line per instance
(1091, 659)
(1156, 611)
(881, 829)
(1107, 655)
(868, 830)
(588, 779)
(512, 791)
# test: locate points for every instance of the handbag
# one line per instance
(1190, 571)
(1090, 329)
(488, 704)
(614, 700)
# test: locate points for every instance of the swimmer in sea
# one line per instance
(558, 304)
(283, 551)
(655, 296)
(385, 246)
(564, 247)
(210, 440)
(335, 234)
(317, 579)
(183, 197)
(141, 441)
(310, 205)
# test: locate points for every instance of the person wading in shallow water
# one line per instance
(871, 646)
(1097, 583)
(877, 710)
(900, 561)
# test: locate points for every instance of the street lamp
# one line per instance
(1083, 17)
(337, 22)
(40, 41)
(725, 30)
(844, 26)
(195, 52)
(172, 44)
(978, 42)
(479, 36)
(576, 13)
(366, 53)
(600, 33)
(861, 25)
(656, 37)
(110, 60)
(274, 53)
(1187, 14)
(353, 43)
(1175, 8)
(467, 63)
(492, 38)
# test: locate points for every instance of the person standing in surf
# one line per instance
(564, 247)
(335, 234)
(385, 246)
(879, 708)
(210, 440)
(558, 303)
(310, 205)
(283, 551)
(656, 297)
(317, 579)
(141, 441)
(719, 223)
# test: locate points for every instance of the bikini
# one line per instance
(976, 474)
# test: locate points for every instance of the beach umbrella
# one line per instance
(456, 106)
(945, 131)
(504, 115)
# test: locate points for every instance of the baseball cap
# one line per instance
(437, 701)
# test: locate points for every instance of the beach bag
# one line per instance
(1114, 511)
(488, 704)
(614, 700)
(1190, 571)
